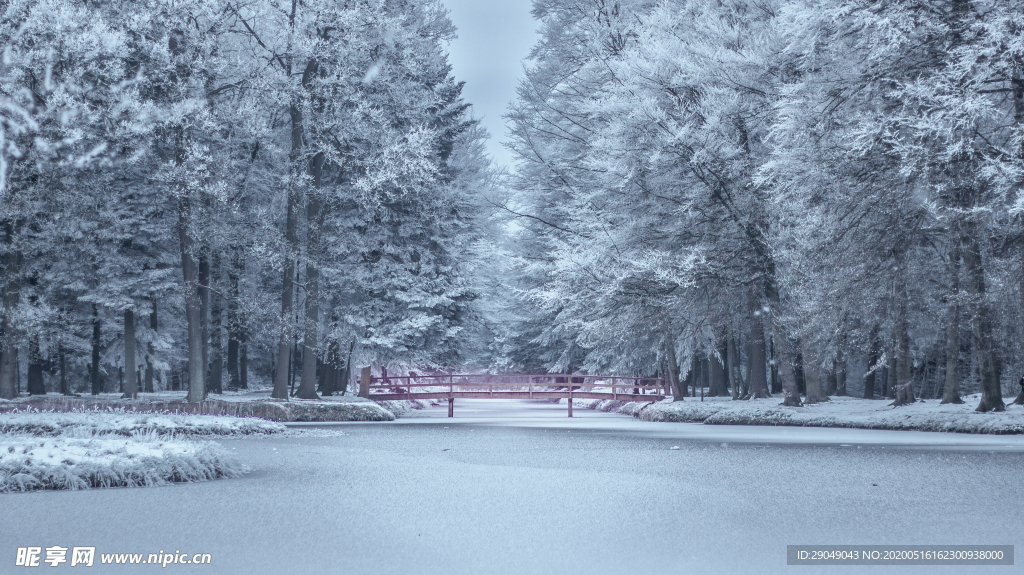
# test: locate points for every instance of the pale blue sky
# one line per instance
(494, 37)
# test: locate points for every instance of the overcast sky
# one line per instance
(494, 37)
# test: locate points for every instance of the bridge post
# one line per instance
(364, 382)
(451, 407)
(570, 397)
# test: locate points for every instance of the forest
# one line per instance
(786, 198)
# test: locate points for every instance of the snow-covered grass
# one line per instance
(400, 407)
(239, 404)
(849, 412)
(126, 423)
(81, 459)
(116, 448)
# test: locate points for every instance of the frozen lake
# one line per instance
(518, 488)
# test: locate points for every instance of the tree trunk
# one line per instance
(991, 393)
(690, 382)
(871, 377)
(758, 371)
(904, 388)
(1018, 117)
(347, 374)
(718, 384)
(151, 349)
(193, 305)
(204, 312)
(672, 369)
(1019, 104)
(812, 376)
(841, 369)
(12, 296)
(62, 358)
(705, 376)
(331, 368)
(732, 368)
(131, 387)
(35, 368)
(216, 321)
(314, 229)
(291, 252)
(798, 367)
(951, 389)
(749, 368)
(94, 369)
(890, 373)
(234, 326)
(776, 381)
(832, 380)
(791, 396)
(243, 360)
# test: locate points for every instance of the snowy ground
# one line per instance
(511, 487)
(850, 412)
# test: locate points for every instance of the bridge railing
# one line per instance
(517, 386)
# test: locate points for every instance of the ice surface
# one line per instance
(513, 488)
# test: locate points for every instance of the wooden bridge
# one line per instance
(489, 386)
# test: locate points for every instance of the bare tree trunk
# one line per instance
(890, 373)
(672, 369)
(785, 366)
(292, 249)
(798, 367)
(991, 393)
(690, 381)
(841, 369)
(12, 296)
(131, 387)
(216, 319)
(243, 360)
(812, 376)
(732, 368)
(234, 327)
(904, 382)
(331, 368)
(204, 312)
(791, 396)
(35, 385)
(717, 385)
(832, 379)
(871, 377)
(94, 370)
(758, 373)
(193, 305)
(315, 223)
(151, 349)
(62, 357)
(1019, 103)
(1018, 117)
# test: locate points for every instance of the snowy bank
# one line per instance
(124, 423)
(29, 463)
(259, 404)
(847, 412)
